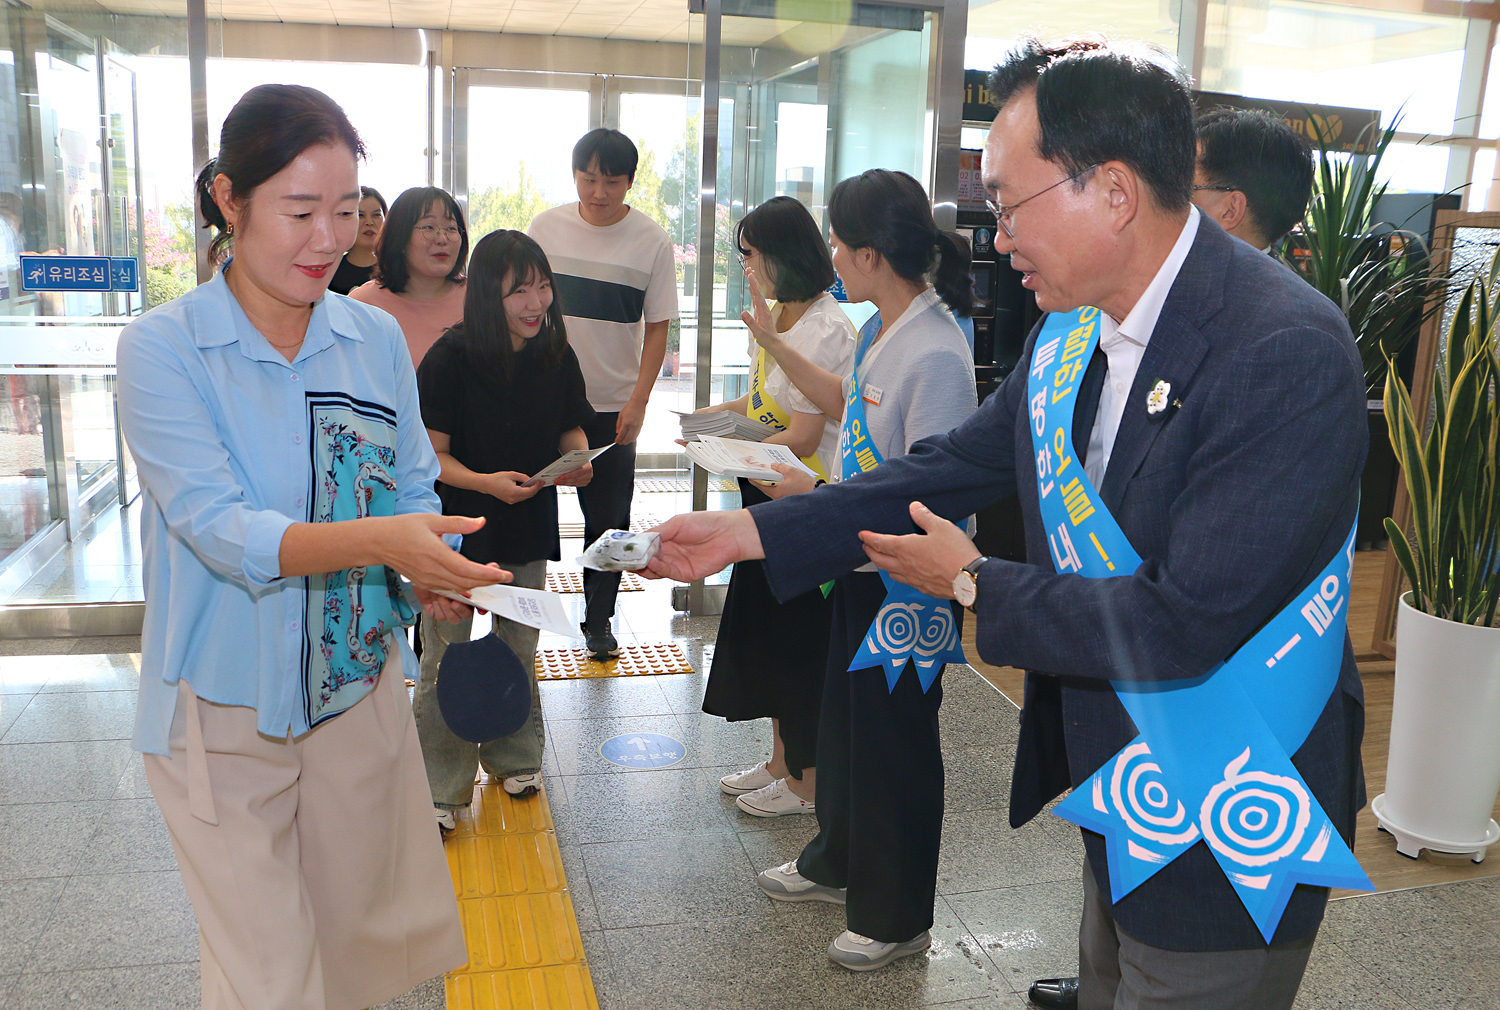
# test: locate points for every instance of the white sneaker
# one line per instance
(774, 800)
(445, 820)
(860, 953)
(784, 883)
(748, 780)
(522, 785)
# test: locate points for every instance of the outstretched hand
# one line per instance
(698, 544)
(412, 544)
(927, 561)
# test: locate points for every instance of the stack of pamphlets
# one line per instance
(736, 458)
(725, 424)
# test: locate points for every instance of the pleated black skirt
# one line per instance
(770, 658)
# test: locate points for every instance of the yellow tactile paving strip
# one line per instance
(572, 582)
(633, 661)
(524, 947)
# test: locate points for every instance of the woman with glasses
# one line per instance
(358, 263)
(756, 675)
(880, 767)
(419, 267)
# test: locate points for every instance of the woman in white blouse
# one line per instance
(757, 671)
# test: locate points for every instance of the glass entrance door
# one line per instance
(520, 129)
(808, 104)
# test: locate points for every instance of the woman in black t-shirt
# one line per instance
(358, 264)
(502, 397)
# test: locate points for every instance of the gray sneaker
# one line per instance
(784, 883)
(522, 785)
(860, 953)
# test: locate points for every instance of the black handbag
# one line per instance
(483, 690)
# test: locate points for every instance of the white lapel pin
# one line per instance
(1156, 402)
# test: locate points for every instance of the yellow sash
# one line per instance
(763, 407)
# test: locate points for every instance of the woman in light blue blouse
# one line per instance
(286, 480)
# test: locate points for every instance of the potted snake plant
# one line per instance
(1383, 280)
(1443, 772)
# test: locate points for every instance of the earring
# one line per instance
(229, 230)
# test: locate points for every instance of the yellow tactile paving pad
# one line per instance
(572, 582)
(647, 485)
(574, 531)
(633, 661)
(524, 947)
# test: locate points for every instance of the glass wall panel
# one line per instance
(1489, 120)
(1484, 175)
(386, 102)
(79, 149)
(25, 508)
(1300, 51)
(994, 25)
(882, 108)
(1415, 168)
(665, 127)
(520, 152)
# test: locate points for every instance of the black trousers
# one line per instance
(605, 502)
(880, 781)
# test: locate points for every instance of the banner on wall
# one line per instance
(1352, 131)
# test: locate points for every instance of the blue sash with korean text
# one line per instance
(910, 624)
(1212, 758)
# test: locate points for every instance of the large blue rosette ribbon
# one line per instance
(910, 624)
(1212, 761)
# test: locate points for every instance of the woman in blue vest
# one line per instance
(880, 767)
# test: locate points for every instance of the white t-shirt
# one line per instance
(611, 282)
(825, 337)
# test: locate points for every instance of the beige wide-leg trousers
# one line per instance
(313, 863)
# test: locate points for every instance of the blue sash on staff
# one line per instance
(910, 624)
(1211, 762)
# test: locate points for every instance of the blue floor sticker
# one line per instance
(642, 750)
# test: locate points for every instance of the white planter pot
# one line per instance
(1443, 772)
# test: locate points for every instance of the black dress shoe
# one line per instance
(1054, 993)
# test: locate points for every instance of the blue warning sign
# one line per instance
(642, 750)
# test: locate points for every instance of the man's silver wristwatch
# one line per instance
(966, 582)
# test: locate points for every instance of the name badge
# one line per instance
(872, 394)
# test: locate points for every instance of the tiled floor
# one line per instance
(660, 863)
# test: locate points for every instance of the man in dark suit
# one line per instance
(1235, 495)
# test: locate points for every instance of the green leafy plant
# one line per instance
(1383, 284)
(1452, 472)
